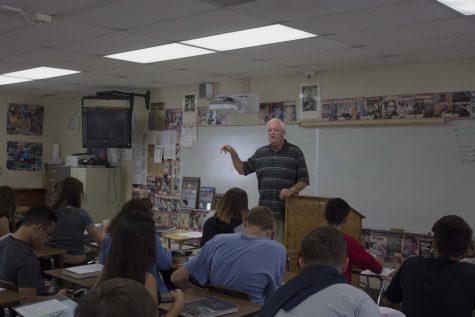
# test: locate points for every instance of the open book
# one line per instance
(209, 306)
(84, 271)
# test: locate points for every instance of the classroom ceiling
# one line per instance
(352, 33)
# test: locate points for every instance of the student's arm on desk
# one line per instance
(180, 278)
(178, 302)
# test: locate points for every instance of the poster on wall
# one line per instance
(25, 119)
(310, 105)
(189, 102)
(156, 116)
(24, 156)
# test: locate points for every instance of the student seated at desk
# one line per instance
(320, 289)
(250, 262)
(117, 297)
(438, 286)
(336, 215)
(18, 263)
(132, 254)
(228, 217)
(72, 221)
(7, 210)
(163, 259)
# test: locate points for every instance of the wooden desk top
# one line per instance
(246, 307)
(48, 251)
(176, 237)
(8, 297)
(87, 282)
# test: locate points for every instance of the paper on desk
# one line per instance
(386, 271)
(191, 234)
(41, 309)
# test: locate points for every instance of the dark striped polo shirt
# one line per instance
(276, 170)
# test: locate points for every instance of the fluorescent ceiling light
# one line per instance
(4, 80)
(41, 73)
(160, 53)
(247, 38)
(466, 7)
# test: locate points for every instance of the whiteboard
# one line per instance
(402, 176)
(215, 169)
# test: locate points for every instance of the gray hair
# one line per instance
(282, 124)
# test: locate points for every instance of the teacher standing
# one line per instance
(280, 169)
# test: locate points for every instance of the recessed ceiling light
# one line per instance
(466, 7)
(160, 53)
(41, 73)
(4, 80)
(252, 37)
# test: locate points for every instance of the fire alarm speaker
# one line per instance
(206, 90)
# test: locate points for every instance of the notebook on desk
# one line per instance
(386, 271)
(84, 271)
(164, 229)
(60, 306)
(210, 307)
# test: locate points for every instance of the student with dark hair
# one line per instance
(229, 214)
(163, 260)
(117, 297)
(7, 210)
(132, 254)
(72, 221)
(251, 262)
(320, 289)
(336, 215)
(441, 285)
(18, 263)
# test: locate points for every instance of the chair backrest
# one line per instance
(229, 291)
(8, 285)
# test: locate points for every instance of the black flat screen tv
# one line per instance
(106, 127)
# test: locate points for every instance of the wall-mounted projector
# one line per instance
(235, 104)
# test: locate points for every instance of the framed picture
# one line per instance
(206, 198)
(217, 200)
(189, 103)
(189, 192)
(309, 97)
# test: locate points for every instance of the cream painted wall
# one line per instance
(50, 136)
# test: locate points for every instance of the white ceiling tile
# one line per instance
(10, 48)
(10, 67)
(49, 6)
(135, 70)
(111, 43)
(268, 73)
(190, 27)
(324, 57)
(81, 78)
(44, 57)
(352, 64)
(93, 64)
(450, 27)
(124, 82)
(194, 62)
(175, 75)
(54, 33)
(285, 10)
(11, 21)
(134, 13)
(421, 46)
(377, 17)
(460, 52)
(299, 47)
(231, 69)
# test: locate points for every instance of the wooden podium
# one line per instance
(305, 213)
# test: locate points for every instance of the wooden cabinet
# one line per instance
(30, 196)
(305, 213)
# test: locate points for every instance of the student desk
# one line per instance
(54, 253)
(175, 236)
(8, 297)
(87, 282)
(246, 308)
(386, 275)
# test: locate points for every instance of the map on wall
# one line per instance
(25, 119)
(24, 156)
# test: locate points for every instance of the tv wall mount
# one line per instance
(118, 95)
